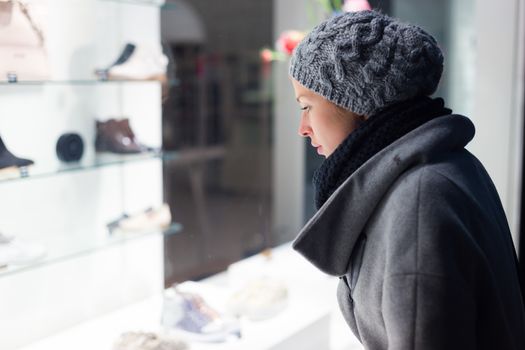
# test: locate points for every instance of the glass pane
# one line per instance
(79, 82)
(91, 161)
(222, 100)
(62, 246)
(452, 24)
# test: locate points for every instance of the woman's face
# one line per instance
(322, 121)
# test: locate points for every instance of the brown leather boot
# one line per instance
(116, 136)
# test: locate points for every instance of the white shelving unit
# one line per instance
(66, 208)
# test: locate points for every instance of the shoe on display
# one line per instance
(259, 299)
(148, 220)
(126, 53)
(188, 315)
(137, 62)
(16, 252)
(116, 136)
(113, 225)
(148, 341)
(10, 161)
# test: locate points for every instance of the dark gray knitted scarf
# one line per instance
(374, 134)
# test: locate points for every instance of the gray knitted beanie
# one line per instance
(365, 61)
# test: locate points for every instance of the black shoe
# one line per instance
(8, 160)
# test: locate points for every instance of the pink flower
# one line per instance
(288, 40)
(266, 55)
(356, 5)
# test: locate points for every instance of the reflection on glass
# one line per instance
(222, 101)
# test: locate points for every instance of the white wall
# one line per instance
(460, 62)
(498, 101)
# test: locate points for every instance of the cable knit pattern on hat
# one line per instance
(365, 61)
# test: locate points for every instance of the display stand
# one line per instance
(309, 321)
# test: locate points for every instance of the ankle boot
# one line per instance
(8, 160)
(124, 125)
(113, 136)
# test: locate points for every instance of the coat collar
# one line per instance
(329, 236)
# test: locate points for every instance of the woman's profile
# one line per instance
(407, 218)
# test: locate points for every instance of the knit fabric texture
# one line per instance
(365, 61)
(376, 133)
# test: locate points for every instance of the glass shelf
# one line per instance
(71, 245)
(96, 161)
(163, 5)
(82, 82)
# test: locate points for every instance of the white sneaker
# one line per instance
(148, 220)
(259, 299)
(145, 63)
(16, 252)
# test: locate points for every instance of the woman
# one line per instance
(407, 218)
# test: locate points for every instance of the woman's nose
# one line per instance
(304, 129)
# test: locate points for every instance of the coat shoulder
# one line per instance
(448, 179)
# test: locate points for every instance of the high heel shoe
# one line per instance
(137, 62)
(103, 74)
(10, 161)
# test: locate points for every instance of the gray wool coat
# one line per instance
(421, 243)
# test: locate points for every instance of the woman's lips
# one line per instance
(317, 147)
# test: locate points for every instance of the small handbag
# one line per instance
(22, 52)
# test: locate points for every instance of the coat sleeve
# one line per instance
(428, 300)
(425, 312)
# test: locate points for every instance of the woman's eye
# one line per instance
(304, 108)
